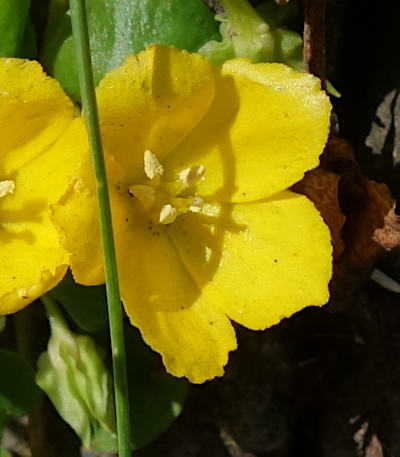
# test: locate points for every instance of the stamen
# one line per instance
(152, 166)
(190, 176)
(145, 194)
(168, 214)
(6, 187)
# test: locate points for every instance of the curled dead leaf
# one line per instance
(388, 236)
(354, 207)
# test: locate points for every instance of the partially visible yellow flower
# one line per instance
(34, 173)
(205, 231)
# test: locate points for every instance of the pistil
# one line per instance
(145, 194)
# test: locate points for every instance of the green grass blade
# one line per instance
(80, 33)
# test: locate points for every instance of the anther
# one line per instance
(168, 214)
(152, 166)
(6, 187)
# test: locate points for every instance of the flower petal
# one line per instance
(260, 262)
(32, 259)
(160, 298)
(152, 101)
(14, 295)
(76, 217)
(75, 213)
(34, 112)
(267, 127)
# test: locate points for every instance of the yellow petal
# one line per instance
(32, 259)
(17, 295)
(160, 298)
(260, 262)
(75, 213)
(76, 218)
(34, 112)
(267, 126)
(152, 102)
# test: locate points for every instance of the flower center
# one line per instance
(165, 201)
(6, 187)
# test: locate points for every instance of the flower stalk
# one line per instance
(81, 38)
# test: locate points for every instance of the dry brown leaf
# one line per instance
(365, 204)
(321, 187)
(354, 207)
(389, 235)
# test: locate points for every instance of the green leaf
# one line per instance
(19, 393)
(156, 397)
(87, 306)
(118, 28)
(29, 50)
(74, 376)
(16, 30)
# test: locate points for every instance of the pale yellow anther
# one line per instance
(152, 166)
(168, 214)
(145, 194)
(190, 176)
(6, 187)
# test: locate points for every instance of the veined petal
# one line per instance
(267, 126)
(175, 319)
(32, 259)
(259, 262)
(152, 101)
(34, 112)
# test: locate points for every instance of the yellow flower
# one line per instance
(205, 231)
(34, 173)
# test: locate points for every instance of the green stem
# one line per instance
(81, 38)
(243, 16)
